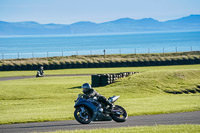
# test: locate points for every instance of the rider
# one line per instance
(41, 71)
(89, 93)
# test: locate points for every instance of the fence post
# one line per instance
(32, 54)
(161, 50)
(2, 56)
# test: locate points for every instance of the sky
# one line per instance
(98, 11)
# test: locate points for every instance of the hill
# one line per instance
(189, 23)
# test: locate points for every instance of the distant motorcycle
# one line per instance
(87, 110)
(39, 74)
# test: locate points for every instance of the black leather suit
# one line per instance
(92, 93)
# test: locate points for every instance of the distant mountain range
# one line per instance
(188, 23)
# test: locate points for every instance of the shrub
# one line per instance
(123, 63)
(29, 66)
(35, 66)
(90, 63)
(78, 63)
(191, 59)
(140, 62)
(152, 61)
(96, 63)
(168, 61)
(146, 62)
(1, 66)
(163, 60)
(62, 64)
(23, 66)
(52, 65)
(73, 64)
(8, 66)
(39, 64)
(84, 64)
(68, 64)
(46, 65)
(56, 64)
(174, 61)
(180, 60)
(196, 59)
(107, 63)
(99, 61)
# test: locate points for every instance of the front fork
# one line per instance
(83, 111)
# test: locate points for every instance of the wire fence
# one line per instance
(20, 55)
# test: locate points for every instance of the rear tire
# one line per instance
(119, 117)
(83, 118)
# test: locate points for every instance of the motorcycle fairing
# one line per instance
(86, 103)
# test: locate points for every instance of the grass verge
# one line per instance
(52, 98)
(142, 129)
(97, 70)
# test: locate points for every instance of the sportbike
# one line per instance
(87, 110)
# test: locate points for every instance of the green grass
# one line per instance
(39, 99)
(52, 98)
(97, 70)
(142, 129)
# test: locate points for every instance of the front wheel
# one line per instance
(82, 115)
(119, 114)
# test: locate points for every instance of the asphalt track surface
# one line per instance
(146, 120)
(25, 77)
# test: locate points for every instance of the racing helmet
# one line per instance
(86, 87)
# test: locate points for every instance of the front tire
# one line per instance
(119, 114)
(82, 117)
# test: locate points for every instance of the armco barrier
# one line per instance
(105, 79)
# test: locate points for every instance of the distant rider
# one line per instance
(90, 93)
(40, 72)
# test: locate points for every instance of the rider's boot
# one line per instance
(110, 107)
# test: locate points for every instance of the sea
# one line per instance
(32, 46)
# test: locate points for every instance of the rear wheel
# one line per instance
(119, 114)
(82, 115)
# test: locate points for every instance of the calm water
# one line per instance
(58, 45)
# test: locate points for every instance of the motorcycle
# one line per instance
(39, 74)
(87, 110)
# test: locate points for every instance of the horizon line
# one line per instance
(100, 22)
